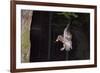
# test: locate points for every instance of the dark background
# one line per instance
(47, 25)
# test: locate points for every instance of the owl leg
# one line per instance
(63, 47)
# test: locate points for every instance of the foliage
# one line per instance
(68, 15)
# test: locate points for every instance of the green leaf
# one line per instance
(68, 15)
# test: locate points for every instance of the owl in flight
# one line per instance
(66, 39)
